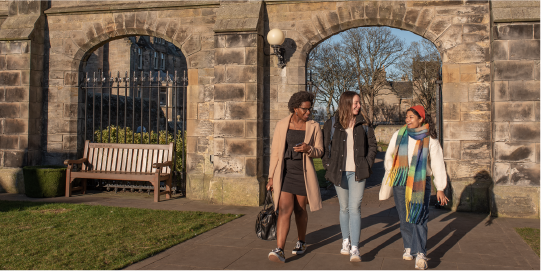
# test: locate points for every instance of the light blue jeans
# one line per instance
(350, 195)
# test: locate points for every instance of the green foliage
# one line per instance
(77, 236)
(44, 181)
(383, 146)
(531, 237)
(119, 134)
(320, 171)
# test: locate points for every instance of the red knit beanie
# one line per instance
(420, 109)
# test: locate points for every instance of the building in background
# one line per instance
(141, 55)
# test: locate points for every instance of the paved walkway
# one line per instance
(456, 240)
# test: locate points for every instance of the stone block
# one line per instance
(224, 166)
(524, 90)
(15, 126)
(501, 91)
(9, 110)
(514, 32)
(514, 152)
(10, 78)
(536, 111)
(253, 166)
(515, 201)
(467, 130)
(524, 131)
(243, 191)
(215, 191)
(524, 49)
(191, 144)
(466, 170)
(18, 62)
(11, 180)
(254, 129)
(17, 94)
(203, 111)
(202, 145)
(195, 163)
(451, 111)
(475, 116)
(474, 150)
(241, 110)
(514, 111)
(197, 185)
(536, 31)
(425, 18)
(501, 131)
(9, 142)
(450, 73)
(229, 92)
(240, 40)
(201, 59)
(454, 92)
(241, 74)
(240, 147)
(219, 146)
(191, 112)
(14, 158)
(440, 24)
(199, 127)
(229, 56)
(451, 150)
(466, 53)
(513, 70)
(254, 92)
(251, 56)
(229, 128)
(450, 38)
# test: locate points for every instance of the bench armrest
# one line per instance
(164, 164)
(79, 161)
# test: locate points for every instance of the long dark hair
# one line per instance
(428, 120)
(344, 108)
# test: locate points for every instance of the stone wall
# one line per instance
(385, 132)
(515, 55)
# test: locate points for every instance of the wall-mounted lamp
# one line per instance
(276, 37)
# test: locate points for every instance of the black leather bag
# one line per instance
(265, 225)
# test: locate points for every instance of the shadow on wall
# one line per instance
(472, 197)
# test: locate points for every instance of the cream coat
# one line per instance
(314, 138)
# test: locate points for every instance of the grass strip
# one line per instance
(76, 236)
(531, 237)
(320, 173)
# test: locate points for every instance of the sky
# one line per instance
(407, 36)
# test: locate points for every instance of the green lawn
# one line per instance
(76, 236)
(383, 146)
(320, 173)
(531, 236)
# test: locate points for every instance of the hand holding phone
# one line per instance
(299, 144)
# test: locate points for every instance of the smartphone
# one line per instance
(298, 144)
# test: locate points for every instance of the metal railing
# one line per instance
(145, 108)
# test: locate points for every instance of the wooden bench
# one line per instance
(127, 162)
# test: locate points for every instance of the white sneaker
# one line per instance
(407, 254)
(345, 247)
(355, 257)
(420, 261)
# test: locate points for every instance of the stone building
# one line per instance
(237, 93)
(136, 56)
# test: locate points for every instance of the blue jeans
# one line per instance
(350, 196)
(413, 235)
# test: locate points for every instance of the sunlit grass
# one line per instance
(531, 237)
(76, 236)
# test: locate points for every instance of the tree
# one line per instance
(331, 76)
(368, 51)
(422, 67)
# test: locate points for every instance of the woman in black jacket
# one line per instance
(350, 151)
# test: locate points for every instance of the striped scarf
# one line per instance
(413, 175)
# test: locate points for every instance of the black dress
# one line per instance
(293, 178)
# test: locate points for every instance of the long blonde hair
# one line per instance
(344, 108)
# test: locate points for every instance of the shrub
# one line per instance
(44, 181)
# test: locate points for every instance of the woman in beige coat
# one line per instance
(292, 175)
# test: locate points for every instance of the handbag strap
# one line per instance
(268, 200)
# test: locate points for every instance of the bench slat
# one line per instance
(115, 158)
(168, 156)
(108, 164)
(155, 159)
(124, 160)
(99, 159)
(144, 162)
(150, 159)
(137, 159)
(129, 146)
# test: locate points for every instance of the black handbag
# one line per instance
(265, 225)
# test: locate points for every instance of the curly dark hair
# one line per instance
(298, 98)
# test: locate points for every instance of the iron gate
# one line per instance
(144, 108)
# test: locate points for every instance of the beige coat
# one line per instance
(314, 138)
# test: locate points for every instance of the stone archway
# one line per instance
(461, 34)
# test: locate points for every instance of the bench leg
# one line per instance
(68, 183)
(156, 185)
(168, 185)
(84, 185)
